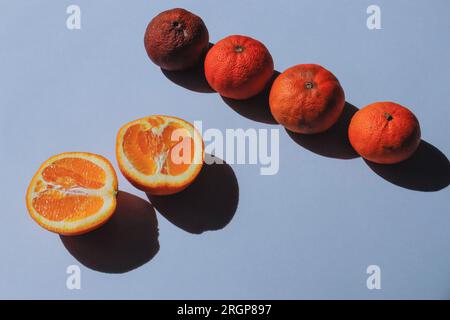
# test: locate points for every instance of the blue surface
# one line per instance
(308, 232)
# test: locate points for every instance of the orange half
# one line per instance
(73, 193)
(159, 154)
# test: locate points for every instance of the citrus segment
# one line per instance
(72, 172)
(57, 206)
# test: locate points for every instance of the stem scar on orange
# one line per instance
(159, 154)
(384, 132)
(307, 99)
(73, 193)
(238, 67)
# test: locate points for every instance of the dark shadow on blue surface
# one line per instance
(428, 169)
(209, 203)
(127, 241)
(256, 108)
(334, 142)
(193, 78)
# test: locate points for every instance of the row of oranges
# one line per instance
(306, 98)
(75, 192)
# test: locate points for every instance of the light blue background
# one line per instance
(308, 232)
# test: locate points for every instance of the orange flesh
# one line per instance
(75, 172)
(60, 194)
(150, 152)
(57, 206)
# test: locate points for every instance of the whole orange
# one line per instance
(384, 132)
(238, 67)
(176, 39)
(306, 98)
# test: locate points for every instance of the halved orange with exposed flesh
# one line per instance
(159, 154)
(73, 193)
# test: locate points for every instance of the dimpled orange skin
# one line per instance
(384, 132)
(176, 39)
(238, 67)
(306, 99)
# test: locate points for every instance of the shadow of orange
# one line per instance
(334, 142)
(209, 203)
(193, 78)
(428, 169)
(256, 108)
(128, 240)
